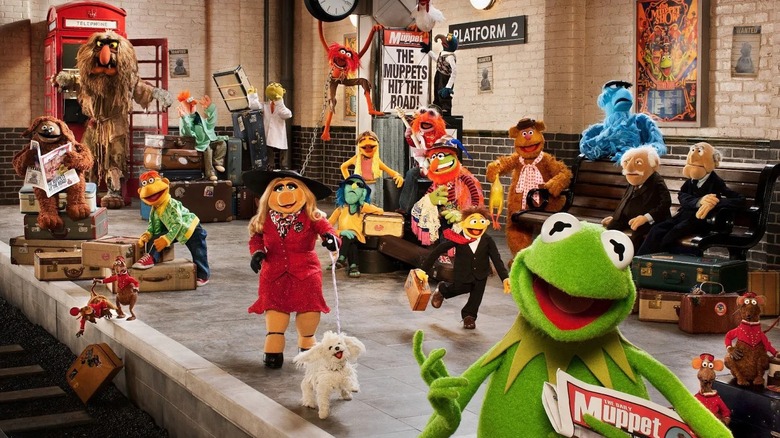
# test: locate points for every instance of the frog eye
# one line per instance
(559, 226)
(618, 247)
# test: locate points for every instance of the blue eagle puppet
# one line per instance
(621, 130)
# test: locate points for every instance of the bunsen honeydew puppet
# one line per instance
(621, 130)
(747, 357)
(169, 222)
(342, 62)
(192, 124)
(703, 192)
(531, 168)
(97, 307)
(426, 16)
(126, 288)
(275, 112)
(446, 71)
(474, 250)
(646, 200)
(353, 203)
(707, 365)
(453, 189)
(366, 161)
(283, 234)
(573, 287)
(51, 133)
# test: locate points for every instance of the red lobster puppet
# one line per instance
(344, 61)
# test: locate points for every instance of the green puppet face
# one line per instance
(574, 282)
(354, 192)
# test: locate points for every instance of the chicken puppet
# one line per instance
(532, 168)
(283, 234)
(366, 161)
(621, 130)
(707, 365)
(126, 287)
(108, 83)
(747, 345)
(573, 287)
(425, 16)
(97, 307)
(51, 133)
(353, 203)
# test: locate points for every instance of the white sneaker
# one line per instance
(202, 282)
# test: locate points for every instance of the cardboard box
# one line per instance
(92, 370)
(766, 283)
(104, 251)
(23, 250)
(388, 224)
(178, 274)
(93, 227)
(29, 204)
(418, 292)
(54, 266)
(659, 306)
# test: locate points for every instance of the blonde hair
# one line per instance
(309, 206)
(375, 161)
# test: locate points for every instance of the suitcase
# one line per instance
(417, 291)
(29, 204)
(93, 227)
(92, 370)
(658, 305)
(234, 161)
(182, 174)
(246, 203)
(755, 411)
(403, 250)
(443, 271)
(23, 250)
(706, 313)
(248, 126)
(234, 86)
(211, 201)
(104, 251)
(172, 159)
(169, 141)
(175, 275)
(372, 261)
(53, 266)
(680, 273)
(387, 224)
(768, 285)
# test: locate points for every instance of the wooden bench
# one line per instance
(598, 186)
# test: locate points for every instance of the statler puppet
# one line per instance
(342, 62)
(108, 83)
(366, 161)
(531, 168)
(647, 199)
(51, 133)
(282, 237)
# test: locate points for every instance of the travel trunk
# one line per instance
(680, 273)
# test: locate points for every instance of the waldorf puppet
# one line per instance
(51, 133)
(474, 250)
(646, 201)
(342, 62)
(707, 365)
(366, 161)
(454, 188)
(573, 287)
(169, 222)
(108, 83)
(621, 130)
(425, 16)
(702, 193)
(353, 203)
(283, 234)
(446, 70)
(274, 114)
(747, 357)
(192, 124)
(531, 168)
(126, 287)
(97, 307)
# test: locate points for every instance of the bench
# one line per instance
(598, 186)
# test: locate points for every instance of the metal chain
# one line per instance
(325, 104)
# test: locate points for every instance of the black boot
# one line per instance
(273, 360)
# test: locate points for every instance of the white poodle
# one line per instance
(329, 367)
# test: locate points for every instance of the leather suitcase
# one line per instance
(387, 224)
(372, 261)
(104, 251)
(705, 313)
(234, 161)
(658, 305)
(755, 411)
(766, 283)
(182, 174)
(175, 275)
(23, 250)
(211, 201)
(28, 203)
(443, 271)
(93, 227)
(234, 86)
(246, 203)
(403, 250)
(417, 291)
(53, 266)
(680, 273)
(248, 126)
(92, 370)
(168, 159)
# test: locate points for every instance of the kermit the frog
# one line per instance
(573, 287)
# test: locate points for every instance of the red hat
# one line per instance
(120, 258)
(749, 295)
(707, 356)
(74, 311)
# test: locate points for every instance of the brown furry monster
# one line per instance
(748, 359)
(108, 82)
(51, 133)
(531, 168)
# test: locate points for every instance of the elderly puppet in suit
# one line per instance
(703, 192)
(646, 201)
(274, 115)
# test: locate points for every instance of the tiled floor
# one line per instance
(213, 322)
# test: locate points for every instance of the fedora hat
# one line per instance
(258, 180)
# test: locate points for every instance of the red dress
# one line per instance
(291, 274)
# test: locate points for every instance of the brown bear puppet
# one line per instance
(51, 133)
(531, 168)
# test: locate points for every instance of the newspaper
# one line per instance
(54, 177)
(567, 403)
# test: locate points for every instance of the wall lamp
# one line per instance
(482, 4)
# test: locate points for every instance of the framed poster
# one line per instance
(350, 93)
(745, 46)
(179, 63)
(485, 74)
(405, 72)
(670, 70)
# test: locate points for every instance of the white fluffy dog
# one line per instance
(329, 367)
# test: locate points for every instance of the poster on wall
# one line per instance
(350, 93)
(179, 63)
(670, 71)
(405, 70)
(485, 74)
(745, 46)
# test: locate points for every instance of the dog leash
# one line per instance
(335, 286)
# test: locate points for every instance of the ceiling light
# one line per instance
(482, 4)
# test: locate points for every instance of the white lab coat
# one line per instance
(275, 129)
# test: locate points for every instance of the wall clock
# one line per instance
(331, 10)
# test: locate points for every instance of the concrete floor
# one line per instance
(214, 323)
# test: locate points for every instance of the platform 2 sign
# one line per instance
(498, 32)
(405, 72)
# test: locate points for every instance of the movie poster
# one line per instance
(405, 71)
(669, 60)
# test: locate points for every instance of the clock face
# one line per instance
(331, 10)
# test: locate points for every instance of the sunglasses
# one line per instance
(357, 183)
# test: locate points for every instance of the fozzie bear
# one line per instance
(531, 168)
(51, 133)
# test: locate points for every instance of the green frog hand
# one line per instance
(439, 195)
(603, 428)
